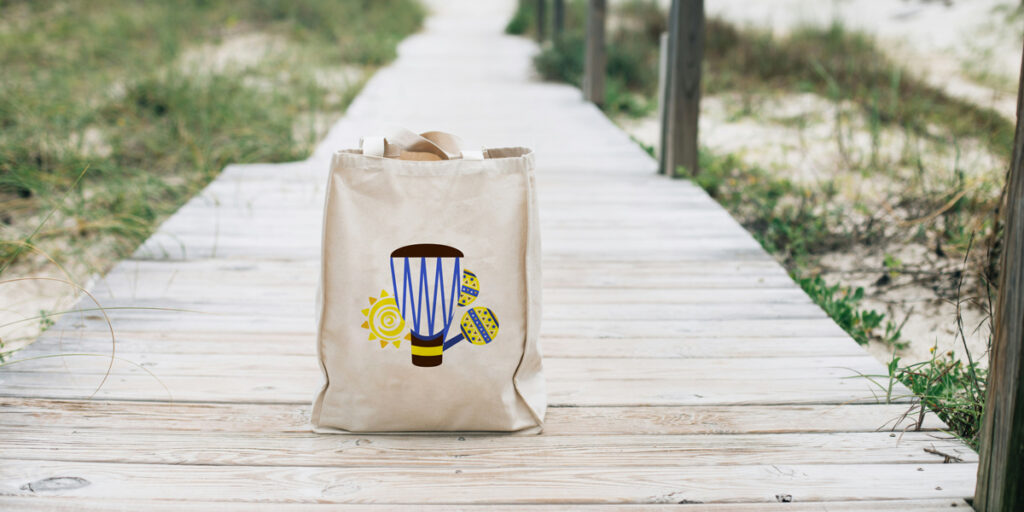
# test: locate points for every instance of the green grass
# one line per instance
(113, 114)
(951, 388)
(101, 86)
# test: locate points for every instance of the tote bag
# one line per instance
(428, 312)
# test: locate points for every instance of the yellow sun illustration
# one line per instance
(384, 320)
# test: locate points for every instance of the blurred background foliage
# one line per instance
(152, 99)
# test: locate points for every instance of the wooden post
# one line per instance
(686, 51)
(665, 98)
(541, 20)
(559, 19)
(1001, 465)
(594, 58)
(663, 93)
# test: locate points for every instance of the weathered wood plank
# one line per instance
(560, 421)
(603, 328)
(760, 483)
(454, 450)
(283, 388)
(223, 312)
(579, 369)
(571, 299)
(169, 247)
(561, 347)
(235, 278)
(59, 504)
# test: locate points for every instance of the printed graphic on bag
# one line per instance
(425, 280)
(384, 320)
(470, 288)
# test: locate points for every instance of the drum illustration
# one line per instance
(426, 281)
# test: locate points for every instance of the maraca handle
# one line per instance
(451, 343)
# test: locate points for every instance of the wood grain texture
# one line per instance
(686, 40)
(480, 450)
(611, 421)
(59, 504)
(469, 485)
(685, 367)
(1002, 433)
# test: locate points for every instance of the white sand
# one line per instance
(944, 42)
(940, 41)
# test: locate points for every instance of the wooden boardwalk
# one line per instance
(683, 364)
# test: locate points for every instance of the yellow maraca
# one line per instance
(470, 288)
(479, 325)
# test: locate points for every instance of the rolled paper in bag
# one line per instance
(426, 281)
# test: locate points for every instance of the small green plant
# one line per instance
(842, 304)
(45, 321)
(791, 220)
(522, 20)
(892, 264)
(562, 61)
(953, 390)
(649, 149)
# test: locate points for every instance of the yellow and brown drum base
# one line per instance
(427, 352)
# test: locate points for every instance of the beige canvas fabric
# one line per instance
(430, 202)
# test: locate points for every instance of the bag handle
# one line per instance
(406, 145)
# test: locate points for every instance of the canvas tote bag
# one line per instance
(430, 289)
